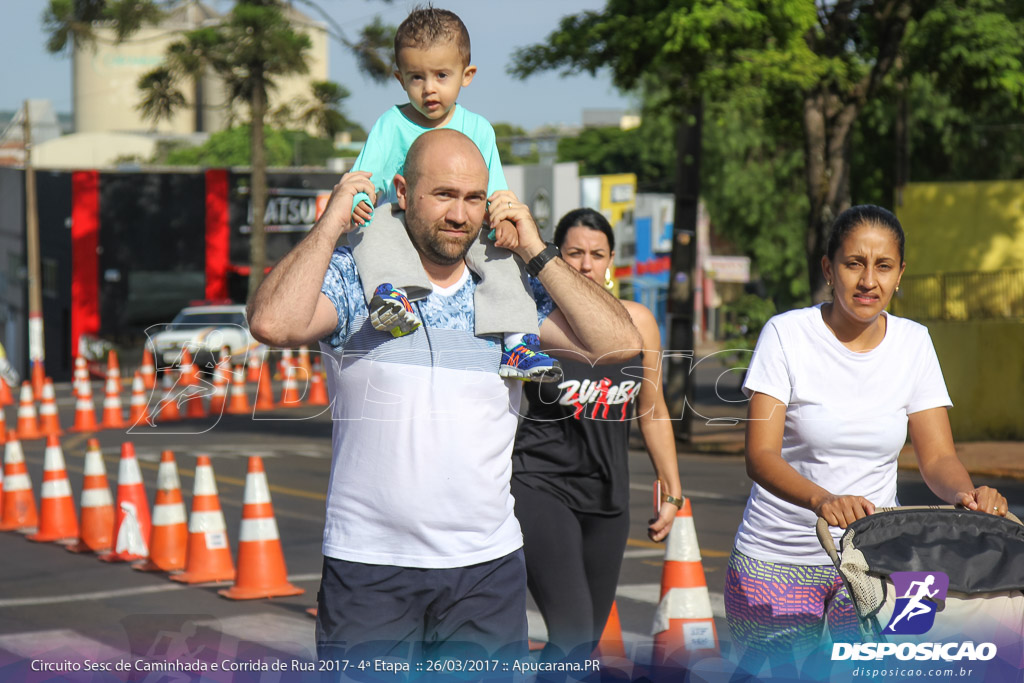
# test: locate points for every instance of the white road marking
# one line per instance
(60, 644)
(294, 635)
(121, 593)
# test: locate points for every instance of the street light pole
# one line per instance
(36, 352)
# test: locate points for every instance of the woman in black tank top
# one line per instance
(570, 474)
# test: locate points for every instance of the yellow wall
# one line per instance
(984, 371)
(957, 227)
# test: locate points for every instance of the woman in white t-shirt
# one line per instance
(833, 390)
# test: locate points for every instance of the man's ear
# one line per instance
(402, 190)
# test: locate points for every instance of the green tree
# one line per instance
(820, 64)
(232, 147)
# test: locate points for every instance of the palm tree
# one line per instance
(323, 110)
(160, 97)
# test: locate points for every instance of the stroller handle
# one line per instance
(828, 544)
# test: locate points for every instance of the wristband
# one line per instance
(538, 262)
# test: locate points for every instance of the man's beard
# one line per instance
(439, 247)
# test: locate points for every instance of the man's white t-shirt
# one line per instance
(846, 421)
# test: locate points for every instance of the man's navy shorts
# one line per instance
(410, 614)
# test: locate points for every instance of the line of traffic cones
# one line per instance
(195, 552)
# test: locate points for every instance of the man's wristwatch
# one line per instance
(537, 262)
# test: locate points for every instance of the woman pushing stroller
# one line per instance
(834, 390)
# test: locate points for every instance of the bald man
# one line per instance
(422, 551)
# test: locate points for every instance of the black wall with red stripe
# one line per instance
(122, 251)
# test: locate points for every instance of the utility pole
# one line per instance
(682, 287)
(36, 350)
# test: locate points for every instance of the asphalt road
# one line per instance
(65, 607)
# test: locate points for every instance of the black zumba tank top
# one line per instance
(573, 442)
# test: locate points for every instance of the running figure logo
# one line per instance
(917, 599)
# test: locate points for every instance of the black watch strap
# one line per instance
(537, 262)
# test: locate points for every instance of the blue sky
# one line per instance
(496, 27)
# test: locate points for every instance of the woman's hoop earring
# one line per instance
(609, 284)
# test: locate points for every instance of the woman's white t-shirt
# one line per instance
(846, 421)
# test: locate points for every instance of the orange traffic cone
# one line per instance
(38, 377)
(96, 503)
(208, 557)
(19, 504)
(189, 376)
(255, 366)
(49, 422)
(148, 369)
(168, 410)
(286, 360)
(684, 622)
(219, 397)
(192, 397)
(6, 397)
(3, 431)
(317, 389)
(112, 416)
(303, 361)
(138, 407)
(264, 390)
(85, 411)
(611, 643)
(28, 424)
(261, 568)
(81, 375)
(57, 518)
(132, 526)
(239, 399)
(290, 397)
(170, 532)
(113, 366)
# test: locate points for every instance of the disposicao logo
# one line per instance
(917, 599)
(916, 602)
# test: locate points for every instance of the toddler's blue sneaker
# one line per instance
(525, 361)
(390, 311)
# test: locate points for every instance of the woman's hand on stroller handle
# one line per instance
(983, 499)
(841, 511)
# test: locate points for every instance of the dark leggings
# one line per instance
(572, 565)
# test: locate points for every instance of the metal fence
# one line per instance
(961, 296)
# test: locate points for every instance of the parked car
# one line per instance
(205, 330)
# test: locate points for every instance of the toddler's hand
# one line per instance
(362, 214)
(506, 235)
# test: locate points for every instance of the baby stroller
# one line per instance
(983, 556)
